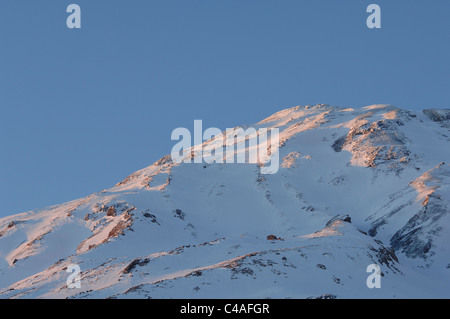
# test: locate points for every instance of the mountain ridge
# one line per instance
(184, 230)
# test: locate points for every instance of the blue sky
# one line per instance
(82, 109)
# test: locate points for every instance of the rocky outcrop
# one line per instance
(344, 218)
(441, 116)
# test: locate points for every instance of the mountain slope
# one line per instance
(355, 187)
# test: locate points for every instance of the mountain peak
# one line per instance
(355, 187)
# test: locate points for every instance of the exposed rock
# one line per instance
(179, 214)
(133, 264)
(197, 273)
(325, 296)
(272, 237)
(385, 256)
(151, 216)
(118, 229)
(164, 160)
(100, 208)
(244, 271)
(344, 218)
(374, 144)
(412, 239)
(437, 115)
(338, 144)
(111, 211)
(337, 280)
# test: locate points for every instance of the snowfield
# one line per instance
(355, 187)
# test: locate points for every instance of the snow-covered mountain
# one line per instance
(356, 187)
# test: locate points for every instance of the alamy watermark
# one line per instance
(73, 21)
(373, 21)
(74, 279)
(235, 145)
(374, 279)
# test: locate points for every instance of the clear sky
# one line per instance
(80, 109)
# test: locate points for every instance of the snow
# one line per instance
(200, 230)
